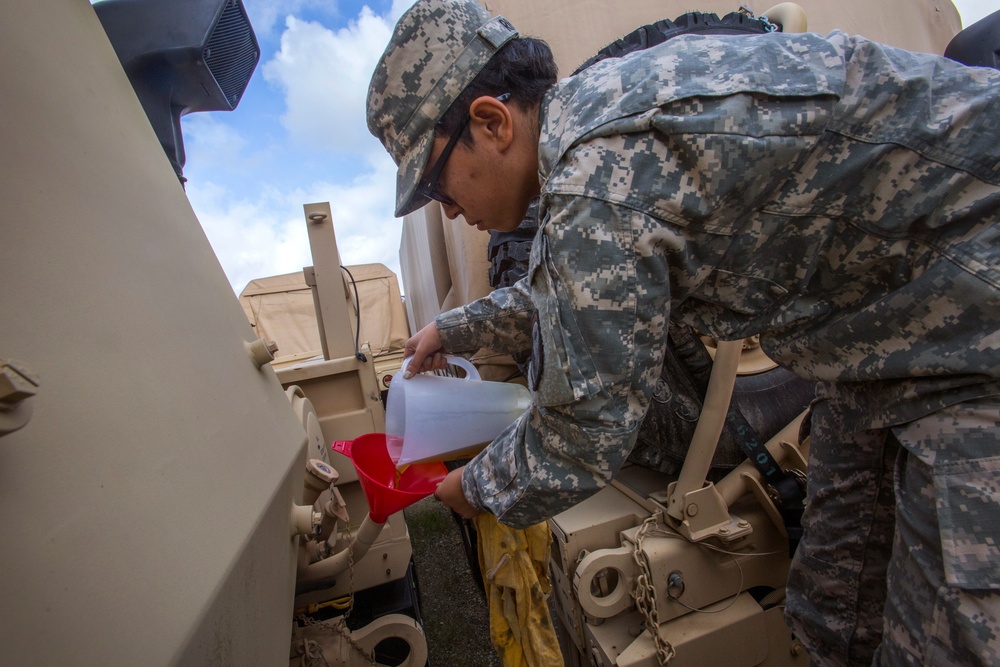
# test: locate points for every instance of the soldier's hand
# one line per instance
(426, 350)
(449, 492)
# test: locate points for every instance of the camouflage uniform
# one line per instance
(784, 185)
(841, 199)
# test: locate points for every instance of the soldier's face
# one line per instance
(478, 186)
(491, 180)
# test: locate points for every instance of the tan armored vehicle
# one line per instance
(168, 494)
(167, 498)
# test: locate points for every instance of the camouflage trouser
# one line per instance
(900, 564)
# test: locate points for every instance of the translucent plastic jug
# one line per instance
(433, 418)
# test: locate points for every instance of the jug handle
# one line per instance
(470, 371)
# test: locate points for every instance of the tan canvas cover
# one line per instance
(281, 309)
(444, 262)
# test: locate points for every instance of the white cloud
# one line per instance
(252, 238)
(259, 230)
(264, 14)
(217, 143)
(257, 234)
(324, 75)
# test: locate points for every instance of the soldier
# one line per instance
(836, 196)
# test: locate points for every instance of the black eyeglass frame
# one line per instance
(429, 186)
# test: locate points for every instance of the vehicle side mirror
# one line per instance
(181, 56)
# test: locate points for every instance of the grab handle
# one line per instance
(470, 371)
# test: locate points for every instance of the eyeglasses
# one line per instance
(429, 186)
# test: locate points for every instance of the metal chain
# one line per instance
(340, 626)
(768, 26)
(350, 585)
(340, 623)
(312, 653)
(350, 591)
(645, 596)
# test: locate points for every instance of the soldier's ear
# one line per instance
(492, 121)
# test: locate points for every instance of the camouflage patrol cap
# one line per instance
(436, 50)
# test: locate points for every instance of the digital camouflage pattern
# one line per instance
(837, 583)
(809, 189)
(407, 98)
(940, 597)
(836, 196)
(839, 198)
(943, 581)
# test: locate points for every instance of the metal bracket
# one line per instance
(706, 515)
(17, 386)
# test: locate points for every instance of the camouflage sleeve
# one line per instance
(500, 321)
(602, 305)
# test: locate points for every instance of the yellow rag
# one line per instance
(515, 573)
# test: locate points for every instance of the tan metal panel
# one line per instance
(145, 506)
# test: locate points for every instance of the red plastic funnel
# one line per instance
(386, 489)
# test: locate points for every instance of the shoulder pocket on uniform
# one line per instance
(561, 370)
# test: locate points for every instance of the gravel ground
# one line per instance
(455, 618)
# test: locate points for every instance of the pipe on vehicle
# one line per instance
(318, 574)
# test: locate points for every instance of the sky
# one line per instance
(299, 136)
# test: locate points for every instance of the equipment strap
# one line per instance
(787, 488)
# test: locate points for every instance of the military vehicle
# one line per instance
(194, 505)
(195, 512)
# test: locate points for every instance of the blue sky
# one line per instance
(299, 136)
